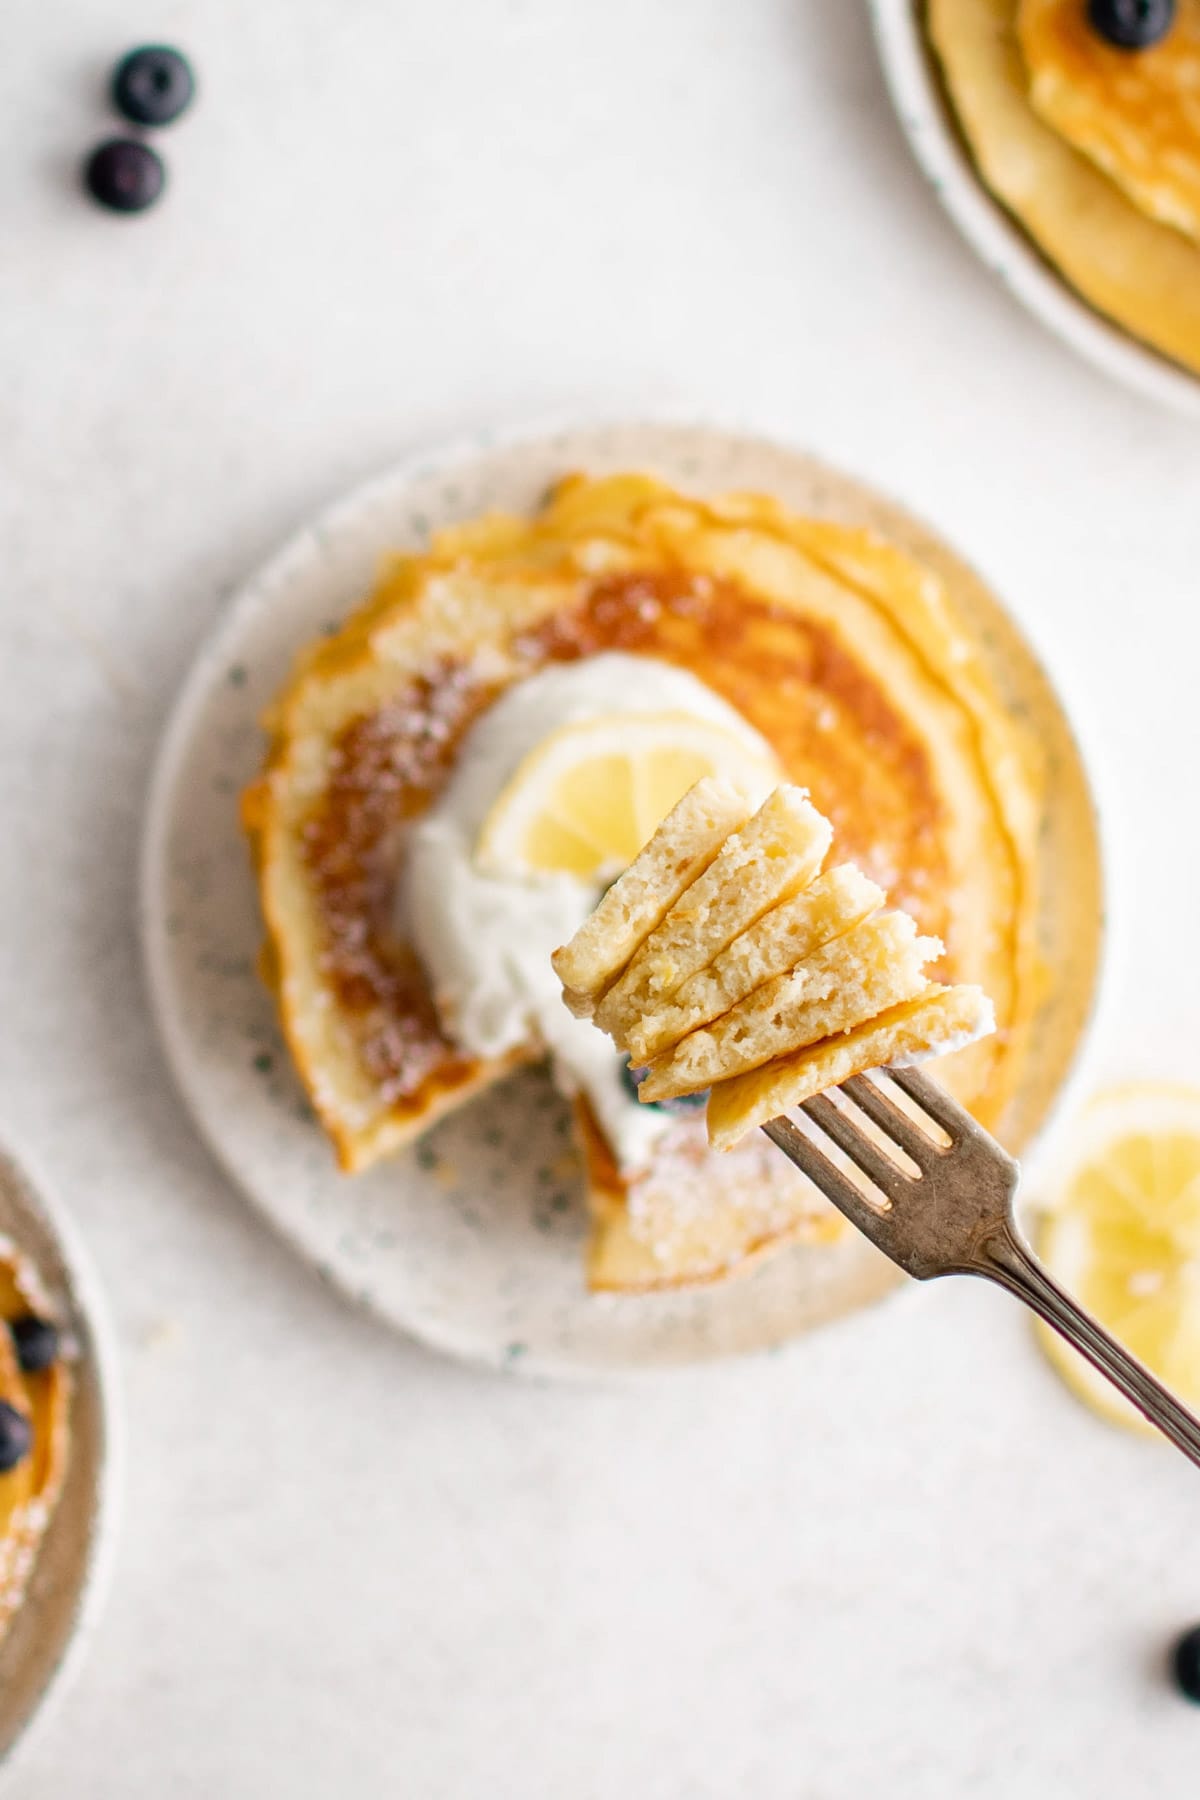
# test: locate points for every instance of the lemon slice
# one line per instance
(591, 795)
(1123, 1236)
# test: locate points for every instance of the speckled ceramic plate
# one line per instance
(472, 1239)
(996, 237)
(51, 1626)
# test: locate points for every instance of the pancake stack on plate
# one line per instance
(839, 650)
(1092, 145)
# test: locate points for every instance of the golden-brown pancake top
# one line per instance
(836, 647)
(29, 1491)
(1136, 113)
(1140, 273)
(831, 725)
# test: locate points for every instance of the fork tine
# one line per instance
(821, 1172)
(871, 1159)
(934, 1100)
(899, 1125)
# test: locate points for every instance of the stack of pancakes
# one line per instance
(760, 980)
(842, 650)
(1094, 149)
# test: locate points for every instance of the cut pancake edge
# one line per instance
(938, 1021)
(859, 1000)
(773, 856)
(682, 848)
(870, 969)
(831, 906)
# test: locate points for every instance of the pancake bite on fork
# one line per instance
(859, 999)
(547, 736)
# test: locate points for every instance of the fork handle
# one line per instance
(1010, 1262)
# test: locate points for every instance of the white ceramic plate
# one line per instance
(49, 1632)
(472, 1239)
(998, 239)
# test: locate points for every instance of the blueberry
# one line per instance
(153, 85)
(1185, 1664)
(124, 175)
(1131, 24)
(36, 1342)
(15, 1437)
(632, 1078)
(683, 1103)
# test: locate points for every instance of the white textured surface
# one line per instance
(898, 1560)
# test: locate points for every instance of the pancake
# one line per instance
(1136, 114)
(831, 905)
(878, 965)
(773, 856)
(694, 1218)
(839, 649)
(681, 850)
(29, 1492)
(910, 1033)
(1140, 273)
(860, 1000)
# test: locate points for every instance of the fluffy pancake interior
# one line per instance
(855, 977)
(861, 998)
(772, 857)
(938, 1020)
(837, 900)
(681, 849)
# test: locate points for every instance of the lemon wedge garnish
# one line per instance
(1123, 1236)
(589, 796)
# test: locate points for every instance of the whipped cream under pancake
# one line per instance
(484, 934)
(1094, 150)
(820, 641)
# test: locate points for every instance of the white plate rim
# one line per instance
(993, 234)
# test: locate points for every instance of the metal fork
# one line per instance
(955, 1217)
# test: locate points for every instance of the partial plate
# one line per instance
(50, 1629)
(934, 137)
(472, 1240)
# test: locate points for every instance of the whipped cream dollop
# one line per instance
(485, 939)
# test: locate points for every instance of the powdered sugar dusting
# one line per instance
(750, 1195)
